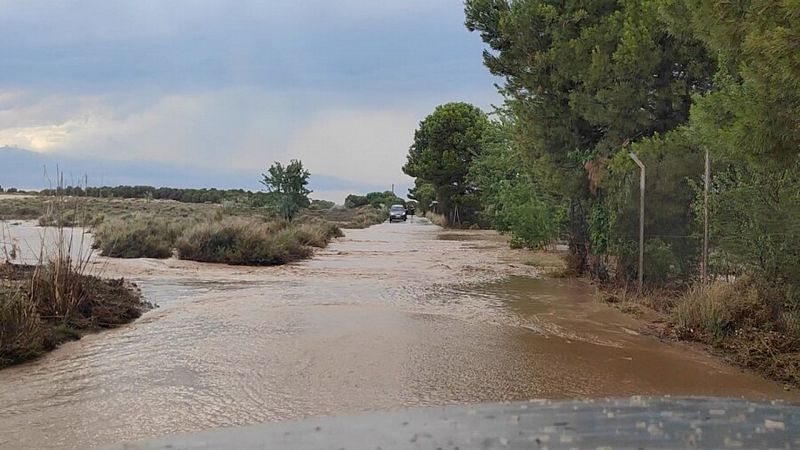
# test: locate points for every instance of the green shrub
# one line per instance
(317, 235)
(717, 310)
(355, 201)
(242, 241)
(21, 333)
(67, 219)
(138, 237)
(662, 263)
(321, 204)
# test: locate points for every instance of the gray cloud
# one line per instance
(341, 85)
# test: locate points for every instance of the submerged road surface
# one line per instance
(393, 316)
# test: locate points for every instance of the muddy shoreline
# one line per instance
(29, 308)
(751, 349)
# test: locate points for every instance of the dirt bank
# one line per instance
(743, 331)
(41, 308)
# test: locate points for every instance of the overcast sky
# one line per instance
(236, 84)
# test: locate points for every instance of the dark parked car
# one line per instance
(397, 212)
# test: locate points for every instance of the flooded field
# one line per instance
(392, 316)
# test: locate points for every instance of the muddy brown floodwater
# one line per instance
(393, 316)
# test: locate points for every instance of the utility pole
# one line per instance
(707, 184)
(641, 217)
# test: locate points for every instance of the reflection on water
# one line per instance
(29, 243)
(389, 317)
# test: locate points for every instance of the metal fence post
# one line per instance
(707, 183)
(641, 217)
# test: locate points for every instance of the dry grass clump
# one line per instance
(366, 217)
(57, 299)
(138, 237)
(715, 311)
(241, 241)
(550, 263)
(93, 211)
(317, 234)
(45, 305)
(352, 218)
(748, 322)
(436, 219)
(21, 330)
(219, 239)
(19, 209)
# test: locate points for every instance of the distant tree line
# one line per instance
(375, 199)
(204, 195)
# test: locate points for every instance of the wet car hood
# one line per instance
(637, 422)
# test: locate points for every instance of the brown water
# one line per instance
(393, 316)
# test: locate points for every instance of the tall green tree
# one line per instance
(288, 184)
(512, 198)
(423, 193)
(444, 145)
(582, 80)
(750, 123)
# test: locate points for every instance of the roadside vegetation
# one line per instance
(93, 212)
(585, 85)
(46, 305)
(210, 195)
(138, 237)
(741, 321)
(286, 231)
(377, 200)
(253, 242)
(272, 238)
(353, 218)
(57, 299)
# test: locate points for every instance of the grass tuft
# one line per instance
(717, 310)
(57, 299)
(436, 219)
(241, 241)
(138, 237)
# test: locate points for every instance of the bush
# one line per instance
(367, 216)
(253, 242)
(436, 219)
(321, 204)
(42, 306)
(375, 199)
(317, 235)
(355, 201)
(384, 199)
(662, 262)
(713, 312)
(58, 220)
(360, 217)
(21, 332)
(139, 237)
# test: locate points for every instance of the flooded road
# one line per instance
(393, 316)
